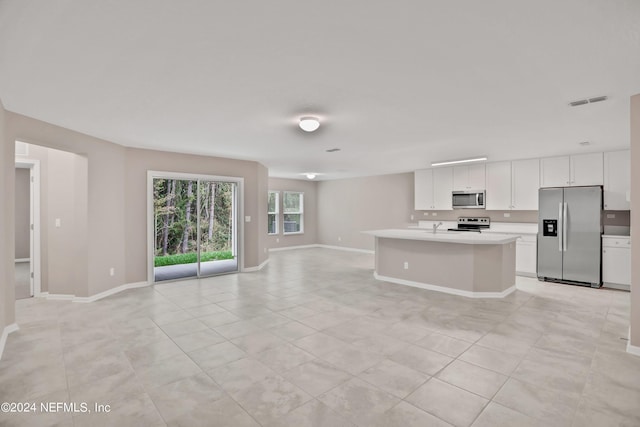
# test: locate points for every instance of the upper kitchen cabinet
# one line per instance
(498, 186)
(433, 189)
(470, 177)
(525, 181)
(617, 180)
(580, 169)
(513, 185)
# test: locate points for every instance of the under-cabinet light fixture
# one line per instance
(455, 162)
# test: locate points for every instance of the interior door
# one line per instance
(550, 249)
(583, 237)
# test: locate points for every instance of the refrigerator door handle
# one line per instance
(564, 226)
(560, 225)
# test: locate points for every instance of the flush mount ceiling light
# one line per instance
(309, 124)
(311, 175)
(454, 162)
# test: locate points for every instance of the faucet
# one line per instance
(435, 227)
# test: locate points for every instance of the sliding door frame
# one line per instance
(238, 236)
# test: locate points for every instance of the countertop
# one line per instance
(445, 236)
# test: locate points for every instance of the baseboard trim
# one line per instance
(110, 292)
(318, 245)
(96, 297)
(444, 289)
(5, 334)
(344, 248)
(289, 248)
(616, 286)
(633, 349)
(58, 297)
(23, 260)
(256, 268)
(525, 274)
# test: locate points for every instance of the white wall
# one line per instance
(310, 235)
(347, 207)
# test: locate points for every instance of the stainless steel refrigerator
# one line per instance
(569, 235)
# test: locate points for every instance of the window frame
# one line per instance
(276, 213)
(299, 212)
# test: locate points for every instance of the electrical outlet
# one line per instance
(406, 265)
(112, 271)
(411, 217)
(247, 218)
(434, 213)
(506, 214)
(339, 239)
(611, 215)
(58, 223)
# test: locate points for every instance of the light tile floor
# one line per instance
(314, 340)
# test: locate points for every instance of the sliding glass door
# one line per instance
(195, 232)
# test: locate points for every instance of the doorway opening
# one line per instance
(194, 225)
(27, 224)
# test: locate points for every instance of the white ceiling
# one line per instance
(397, 84)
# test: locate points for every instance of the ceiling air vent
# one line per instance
(597, 99)
(588, 101)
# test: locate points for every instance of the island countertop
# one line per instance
(462, 237)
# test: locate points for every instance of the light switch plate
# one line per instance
(247, 218)
(58, 223)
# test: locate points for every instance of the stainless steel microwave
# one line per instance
(473, 199)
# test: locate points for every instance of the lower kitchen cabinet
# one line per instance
(616, 262)
(526, 253)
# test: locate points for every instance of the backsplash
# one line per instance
(621, 218)
(496, 216)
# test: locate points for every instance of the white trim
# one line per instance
(96, 297)
(257, 268)
(526, 274)
(5, 334)
(318, 245)
(344, 248)
(59, 297)
(110, 292)
(34, 218)
(445, 289)
(239, 213)
(618, 286)
(288, 248)
(22, 260)
(633, 349)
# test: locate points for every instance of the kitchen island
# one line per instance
(477, 265)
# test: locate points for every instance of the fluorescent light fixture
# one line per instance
(310, 175)
(455, 162)
(309, 124)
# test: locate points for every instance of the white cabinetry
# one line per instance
(616, 262)
(470, 177)
(580, 169)
(499, 186)
(526, 254)
(433, 189)
(617, 180)
(513, 185)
